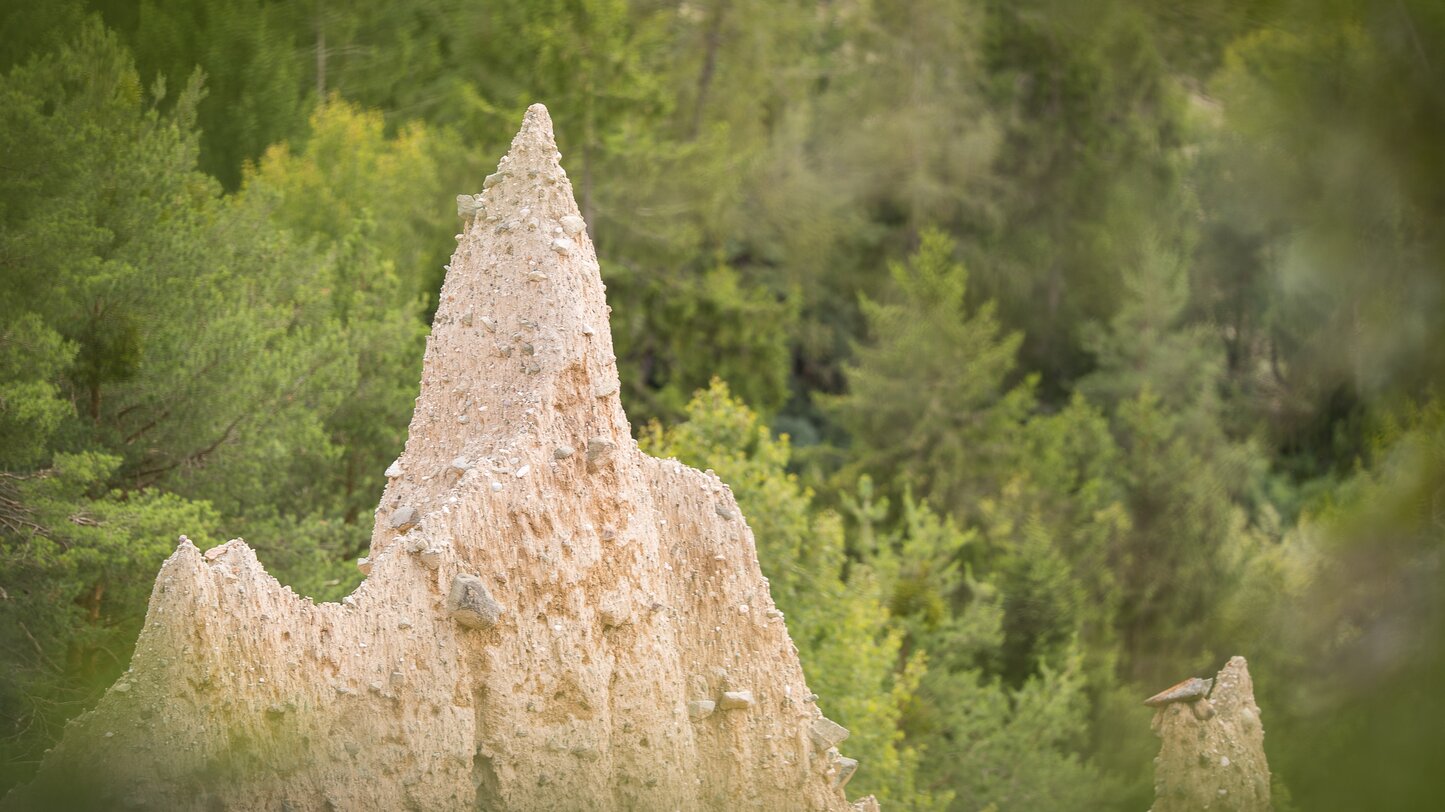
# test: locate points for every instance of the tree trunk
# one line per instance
(711, 43)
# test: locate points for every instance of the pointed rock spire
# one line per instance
(550, 617)
(520, 359)
(1211, 754)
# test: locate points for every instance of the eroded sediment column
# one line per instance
(1211, 754)
(552, 620)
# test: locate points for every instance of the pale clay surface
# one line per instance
(617, 576)
(1216, 762)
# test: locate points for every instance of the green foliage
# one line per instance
(835, 614)
(1061, 502)
(170, 362)
(682, 332)
(1042, 603)
(255, 73)
(1191, 491)
(32, 357)
(923, 160)
(1091, 156)
(79, 561)
(930, 394)
(359, 201)
(1014, 749)
(994, 745)
(117, 244)
(1347, 617)
(1322, 259)
(1344, 94)
(1185, 495)
(1147, 343)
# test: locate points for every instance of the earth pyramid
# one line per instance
(551, 620)
(1211, 752)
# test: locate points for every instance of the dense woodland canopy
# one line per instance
(1055, 350)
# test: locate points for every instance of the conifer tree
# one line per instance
(931, 392)
(151, 358)
(370, 209)
(1189, 488)
(1090, 157)
(992, 743)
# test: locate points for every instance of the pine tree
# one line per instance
(930, 393)
(152, 357)
(1190, 489)
(255, 70)
(1091, 157)
(993, 744)
(369, 207)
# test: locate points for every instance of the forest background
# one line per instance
(1056, 351)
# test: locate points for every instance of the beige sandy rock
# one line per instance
(549, 620)
(1212, 745)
